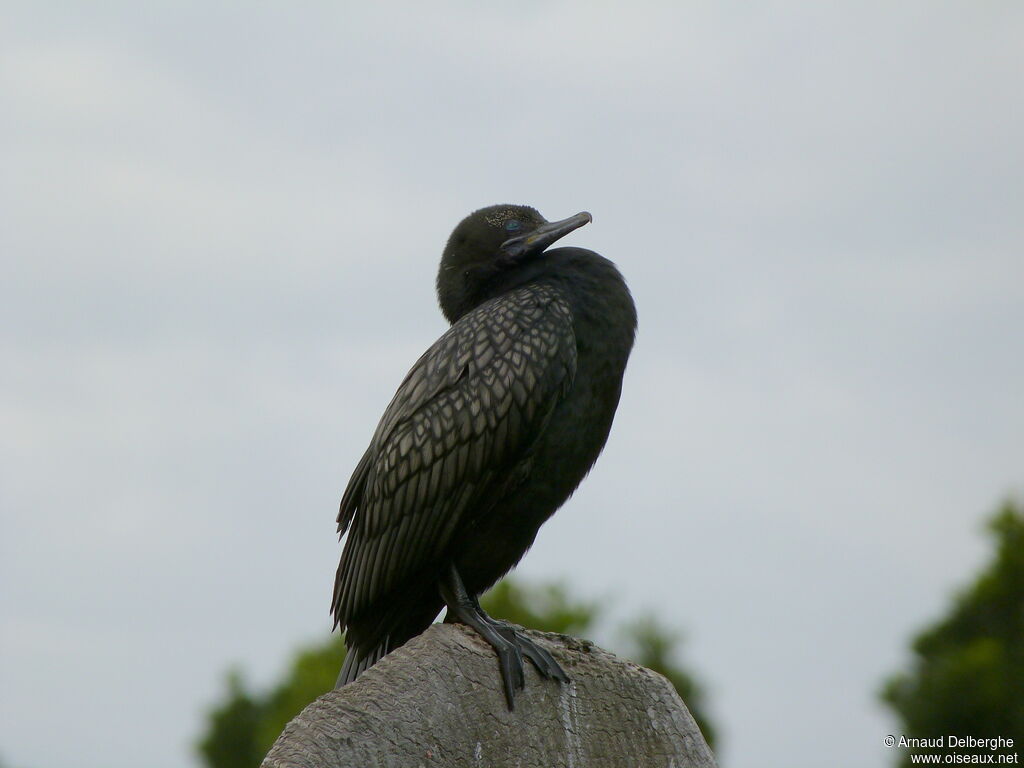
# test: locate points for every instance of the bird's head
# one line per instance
(487, 245)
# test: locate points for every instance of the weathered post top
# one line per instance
(437, 701)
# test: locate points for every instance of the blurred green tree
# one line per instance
(243, 725)
(967, 673)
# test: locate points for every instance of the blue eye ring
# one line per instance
(512, 225)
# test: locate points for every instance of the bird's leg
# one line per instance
(465, 610)
(509, 643)
(542, 660)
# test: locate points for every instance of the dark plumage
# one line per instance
(491, 431)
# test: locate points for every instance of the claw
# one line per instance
(511, 663)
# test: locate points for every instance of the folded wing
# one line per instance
(456, 437)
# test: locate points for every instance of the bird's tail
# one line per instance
(403, 618)
(355, 664)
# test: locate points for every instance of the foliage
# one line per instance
(242, 727)
(548, 607)
(231, 732)
(967, 673)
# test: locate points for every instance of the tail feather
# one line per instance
(355, 664)
(375, 633)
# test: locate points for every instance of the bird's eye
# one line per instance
(512, 225)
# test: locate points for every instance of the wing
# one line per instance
(459, 429)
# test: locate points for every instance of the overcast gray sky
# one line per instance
(221, 226)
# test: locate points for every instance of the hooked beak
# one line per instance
(543, 236)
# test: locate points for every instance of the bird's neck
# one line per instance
(593, 287)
